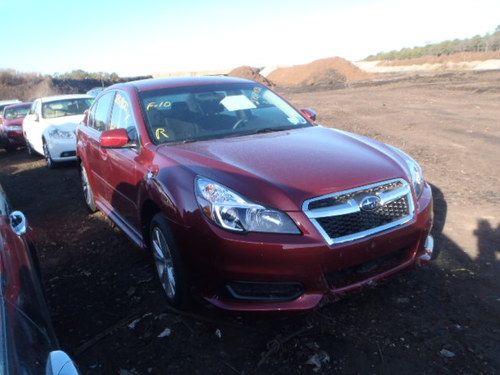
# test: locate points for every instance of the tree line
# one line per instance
(485, 43)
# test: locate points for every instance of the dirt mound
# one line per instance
(333, 71)
(250, 73)
(442, 59)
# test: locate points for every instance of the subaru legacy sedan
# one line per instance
(246, 201)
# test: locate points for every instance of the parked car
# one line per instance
(5, 103)
(49, 127)
(28, 343)
(95, 91)
(246, 200)
(11, 129)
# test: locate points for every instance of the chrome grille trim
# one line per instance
(388, 191)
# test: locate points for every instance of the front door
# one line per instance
(123, 171)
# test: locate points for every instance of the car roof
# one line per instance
(2, 102)
(162, 83)
(62, 97)
(19, 105)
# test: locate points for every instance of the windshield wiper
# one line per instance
(270, 130)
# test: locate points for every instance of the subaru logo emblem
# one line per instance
(369, 203)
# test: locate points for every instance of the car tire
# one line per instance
(168, 263)
(50, 163)
(30, 150)
(8, 147)
(88, 194)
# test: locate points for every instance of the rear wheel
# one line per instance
(168, 263)
(50, 163)
(88, 194)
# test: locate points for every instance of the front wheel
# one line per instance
(50, 163)
(168, 263)
(88, 194)
(30, 150)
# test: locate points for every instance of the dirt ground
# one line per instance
(108, 309)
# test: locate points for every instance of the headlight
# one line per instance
(415, 171)
(233, 212)
(61, 134)
(14, 128)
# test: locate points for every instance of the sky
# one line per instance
(160, 36)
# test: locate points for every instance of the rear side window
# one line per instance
(122, 116)
(100, 115)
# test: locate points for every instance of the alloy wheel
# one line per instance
(47, 155)
(164, 262)
(87, 193)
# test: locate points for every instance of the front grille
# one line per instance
(342, 198)
(351, 275)
(341, 216)
(264, 291)
(343, 225)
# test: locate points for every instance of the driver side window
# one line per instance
(122, 117)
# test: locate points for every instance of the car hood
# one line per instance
(282, 169)
(66, 120)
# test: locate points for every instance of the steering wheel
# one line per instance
(239, 123)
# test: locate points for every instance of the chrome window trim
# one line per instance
(351, 206)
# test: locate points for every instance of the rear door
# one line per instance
(124, 172)
(95, 159)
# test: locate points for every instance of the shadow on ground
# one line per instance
(108, 309)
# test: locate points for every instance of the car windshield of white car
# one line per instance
(190, 114)
(65, 107)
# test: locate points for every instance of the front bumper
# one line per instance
(219, 259)
(13, 138)
(62, 149)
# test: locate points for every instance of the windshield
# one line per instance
(65, 107)
(16, 112)
(189, 114)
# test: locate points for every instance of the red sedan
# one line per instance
(28, 343)
(245, 200)
(11, 126)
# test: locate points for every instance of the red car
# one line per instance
(28, 342)
(11, 126)
(247, 201)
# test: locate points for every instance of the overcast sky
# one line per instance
(145, 37)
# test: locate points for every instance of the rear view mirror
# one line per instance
(115, 138)
(59, 363)
(309, 113)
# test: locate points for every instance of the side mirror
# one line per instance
(37, 117)
(115, 138)
(59, 363)
(309, 113)
(18, 223)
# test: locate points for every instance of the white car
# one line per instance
(49, 127)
